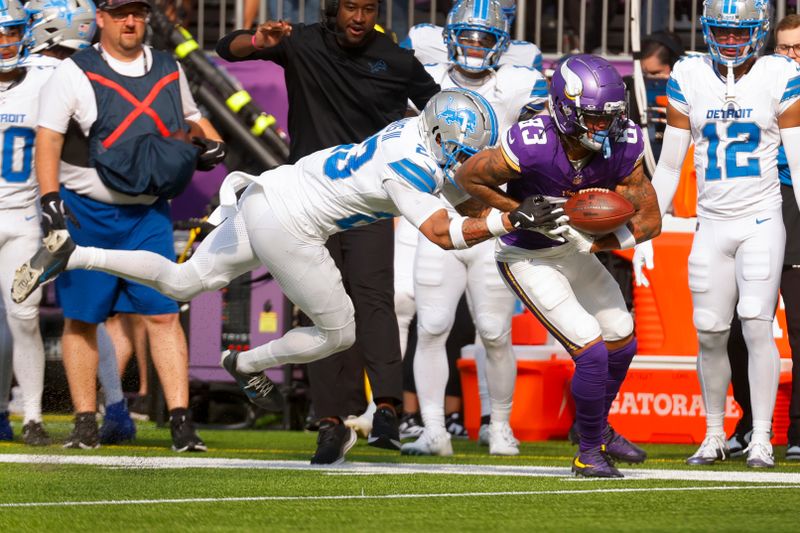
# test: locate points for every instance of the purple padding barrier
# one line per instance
(268, 315)
(264, 81)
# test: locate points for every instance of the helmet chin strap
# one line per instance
(730, 89)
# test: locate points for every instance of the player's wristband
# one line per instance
(457, 233)
(494, 223)
(625, 238)
(253, 43)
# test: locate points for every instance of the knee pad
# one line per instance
(435, 322)
(619, 327)
(336, 340)
(491, 328)
(708, 321)
(749, 308)
(23, 324)
(185, 282)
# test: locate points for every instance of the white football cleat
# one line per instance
(759, 454)
(429, 443)
(712, 449)
(502, 440)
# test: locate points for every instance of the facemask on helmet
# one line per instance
(587, 101)
(12, 22)
(734, 30)
(456, 124)
(476, 34)
(67, 23)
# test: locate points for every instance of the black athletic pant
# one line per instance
(365, 256)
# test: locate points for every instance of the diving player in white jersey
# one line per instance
(737, 109)
(285, 216)
(429, 41)
(19, 215)
(476, 34)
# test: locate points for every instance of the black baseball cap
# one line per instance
(109, 5)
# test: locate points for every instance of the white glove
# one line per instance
(642, 258)
(580, 240)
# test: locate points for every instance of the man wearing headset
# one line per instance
(345, 82)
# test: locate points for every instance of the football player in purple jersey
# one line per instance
(586, 142)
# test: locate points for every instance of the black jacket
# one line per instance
(341, 95)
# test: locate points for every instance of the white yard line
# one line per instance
(362, 468)
(392, 496)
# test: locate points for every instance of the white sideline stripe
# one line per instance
(392, 496)
(363, 468)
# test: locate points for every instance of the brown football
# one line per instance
(598, 211)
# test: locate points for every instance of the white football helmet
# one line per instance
(476, 21)
(457, 123)
(12, 18)
(67, 23)
(719, 16)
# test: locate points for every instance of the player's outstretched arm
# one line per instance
(482, 175)
(460, 232)
(646, 223)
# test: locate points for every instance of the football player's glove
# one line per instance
(211, 154)
(642, 259)
(55, 213)
(536, 212)
(565, 233)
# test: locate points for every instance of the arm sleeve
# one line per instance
(275, 53)
(413, 204)
(668, 170)
(190, 111)
(421, 86)
(790, 137)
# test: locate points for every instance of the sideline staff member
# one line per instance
(112, 107)
(346, 81)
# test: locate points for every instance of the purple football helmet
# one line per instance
(585, 87)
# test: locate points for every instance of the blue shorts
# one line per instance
(94, 296)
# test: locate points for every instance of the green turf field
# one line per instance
(261, 481)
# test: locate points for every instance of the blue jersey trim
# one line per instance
(790, 93)
(674, 91)
(418, 176)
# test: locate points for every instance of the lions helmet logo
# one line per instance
(463, 117)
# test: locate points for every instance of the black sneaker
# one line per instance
(184, 436)
(139, 408)
(738, 442)
(455, 426)
(34, 434)
(334, 440)
(84, 435)
(410, 426)
(385, 431)
(258, 388)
